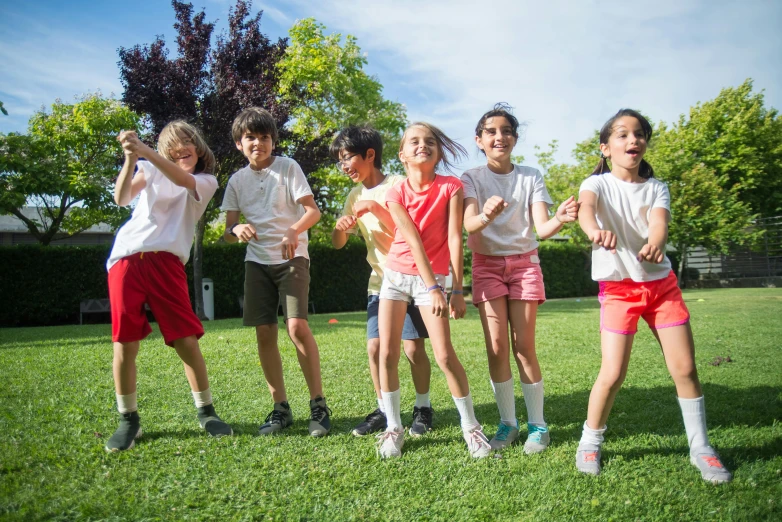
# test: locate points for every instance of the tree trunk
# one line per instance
(682, 265)
(198, 269)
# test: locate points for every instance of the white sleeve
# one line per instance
(469, 186)
(298, 182)
(662, 197)
(591, 184)
(206, 186)
(539, 190)
(230, 201)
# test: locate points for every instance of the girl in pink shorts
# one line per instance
(502, 203)
(625, 212)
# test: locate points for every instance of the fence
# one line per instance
(764, 260)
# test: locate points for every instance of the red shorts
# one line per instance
(517, 277)
(659, 302)
(157, 279)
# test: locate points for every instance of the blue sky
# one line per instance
(566, 66)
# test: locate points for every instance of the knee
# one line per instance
(298, 330)
(373, 349)
(446, 359)
(266, 335)
(415, 353)
(684, 371)
(611, 379)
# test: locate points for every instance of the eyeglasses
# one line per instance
(344, 161)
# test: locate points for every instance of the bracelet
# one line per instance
(457, 292)
(231, 229)
(435, 287)
(484, 219)
(557, 218)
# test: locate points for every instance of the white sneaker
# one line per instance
(389, 443)
(477, 443)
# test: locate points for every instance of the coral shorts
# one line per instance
(659, 302)
(517, 277)
(159, 280)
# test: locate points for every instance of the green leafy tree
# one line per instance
(65, 165)
(323, 79)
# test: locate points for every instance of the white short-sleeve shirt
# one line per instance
(268, 200)
(165, 216)
(511, 232)
(624, 209)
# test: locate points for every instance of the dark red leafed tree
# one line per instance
(209, 86)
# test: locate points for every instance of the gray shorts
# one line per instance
(268, 286)
(406, 287)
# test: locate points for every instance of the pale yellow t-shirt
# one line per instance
(378, 238)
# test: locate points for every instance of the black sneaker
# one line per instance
(213, 424)
(129, 430)
(422, 421)
(280, 418)
(374, 422)
(320, 423)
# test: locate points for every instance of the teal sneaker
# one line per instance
(538, 439)
(505, 436)
(213, 424)
(127, 433)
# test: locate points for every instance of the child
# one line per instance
(146, 266)
(279, 207)
(625, 213)
(501, 203)
(358, 151)
(427, 212)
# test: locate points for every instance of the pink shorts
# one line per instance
(517, 277)
(659, 302)
(159, 280)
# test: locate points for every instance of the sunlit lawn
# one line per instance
(57, 411)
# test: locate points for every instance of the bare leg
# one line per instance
(373, 353)
(440, 337)
(494, 318)
(679, 351)
(613, 369)
(307, 352)
(124, 367)
(391, 319)
(271, 363)
(420, 367)
(523, 315)
(195, 366)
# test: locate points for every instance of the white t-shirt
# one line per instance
(511, 232)
(624, 209)
(165, 216)
(268, 199)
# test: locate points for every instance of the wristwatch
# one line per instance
(231, 230)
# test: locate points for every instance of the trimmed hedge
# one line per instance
(44, 285)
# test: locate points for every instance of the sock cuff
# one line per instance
(202, 398)
(596, 432)
(692, 406)
(391, 393)
(127, 403)
(532, 385)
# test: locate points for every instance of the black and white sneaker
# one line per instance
(127, 433)
(320, 422)
(213, 424)
(374, 422)
(422, 421)
(280, 418)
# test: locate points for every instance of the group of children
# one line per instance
(412, 227)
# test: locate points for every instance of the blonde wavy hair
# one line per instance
(176, 134)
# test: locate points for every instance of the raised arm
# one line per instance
(128, 186)
(474, 220)
(171, 170)
(545, 227)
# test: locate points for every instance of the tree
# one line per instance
(324, 81)
(65, 165)
(207, 87)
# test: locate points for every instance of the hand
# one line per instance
(494, 207)
(128, 140)
(345, 223)
(362, 207)
(289, 243)
(457, 306)
(603, 238)
(567, 211)
(439, 306)
(244, 233)
(651, 253)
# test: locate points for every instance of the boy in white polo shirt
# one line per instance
(358, 151)
(279, 207)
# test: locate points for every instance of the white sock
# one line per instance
(466, 412)
(506, 401)
(127, 403)
(533, 398)
(590, 436)
(694, 415)
(393, 410)
(422, 400)
(202, 398)
(381, 405)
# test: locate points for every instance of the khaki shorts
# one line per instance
(268, 286)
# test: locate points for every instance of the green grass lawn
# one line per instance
(57, 411)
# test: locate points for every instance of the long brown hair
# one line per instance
(645, 171)
(444, 144)
(171, 137)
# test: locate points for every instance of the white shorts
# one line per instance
(405, 287)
